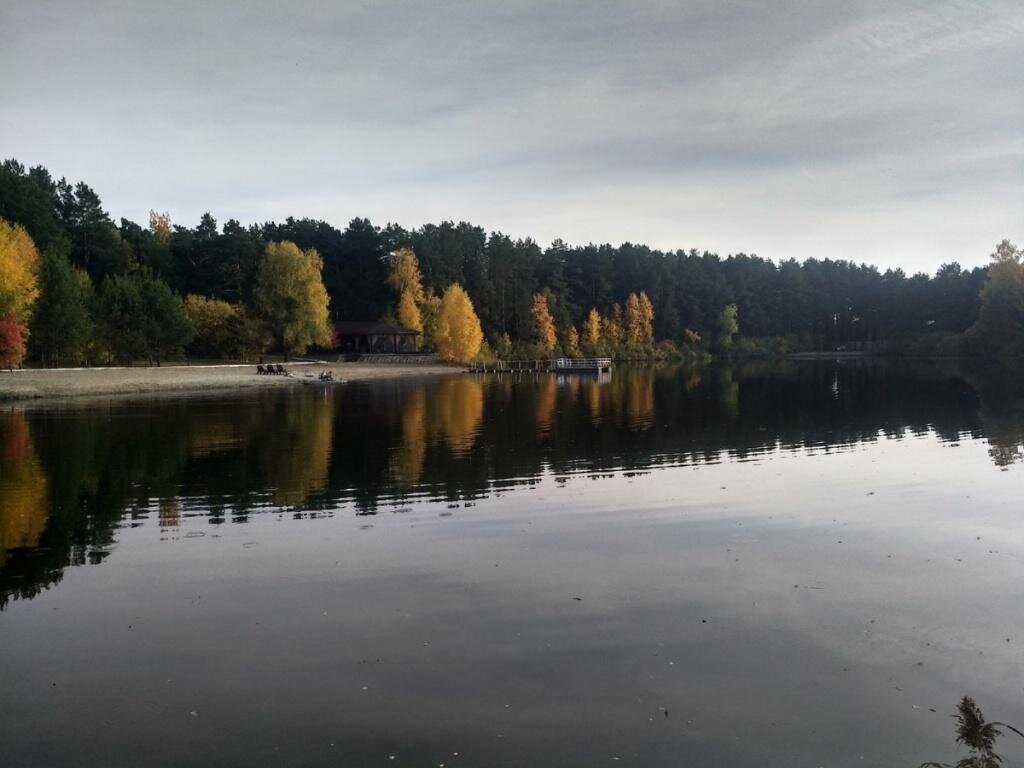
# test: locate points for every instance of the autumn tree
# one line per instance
(572, 342)
(19, 272)
(613, 326)
(457, 334)
(639, 329)
(544, 324)
(291, 297)
(217, 326)
(404, 274)
(503, 345)
(646, 318)
(160, 226)
(12, 342)
(592, 330)
(409, 314)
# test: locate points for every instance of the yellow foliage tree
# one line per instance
(544, 324)
(429, 310)
(632, 319)
(291, 297)
(404, 274)
(572, 342)
(503, 345)
(639, 319)
(592, 330)
(613, 326)
(160, 226)
(457, 332)
(646, 318)
(19, 272)
(215, 322)
(408, 312)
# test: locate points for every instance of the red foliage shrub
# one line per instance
(12, 342)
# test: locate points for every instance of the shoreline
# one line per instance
(46, 384)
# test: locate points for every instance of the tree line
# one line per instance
(98, 290)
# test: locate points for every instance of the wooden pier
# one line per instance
(591, 365)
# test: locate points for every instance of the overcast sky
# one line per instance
(889, 132)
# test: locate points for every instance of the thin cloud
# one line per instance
(884, 131)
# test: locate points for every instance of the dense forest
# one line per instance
(98, 278)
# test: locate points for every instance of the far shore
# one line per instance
(65, 383)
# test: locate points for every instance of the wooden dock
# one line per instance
(586, 365)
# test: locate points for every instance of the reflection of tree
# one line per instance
(1001, 396)
(68, 479)
(547, 399)
(640, 399)
(594, 402)
(170, 512)
(413, 449)
(23, 487)
(729, 392)
(457, 413)
(295, 447)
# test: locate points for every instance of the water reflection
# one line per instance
(23, 487)
(69, 476)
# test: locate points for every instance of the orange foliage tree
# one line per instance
(544, 324)
(457, 332)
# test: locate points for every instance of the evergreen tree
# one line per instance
(61, 325)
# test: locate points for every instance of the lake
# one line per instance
(795, 564)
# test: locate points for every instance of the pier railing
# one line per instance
(561, 365)
(583, 363)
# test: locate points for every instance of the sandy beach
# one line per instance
(35, 384)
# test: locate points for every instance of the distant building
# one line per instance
(363, 338)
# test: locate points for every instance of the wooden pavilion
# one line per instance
(365, 338)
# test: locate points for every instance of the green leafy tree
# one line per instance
(167, 329)
(291, 297)
(140, 318)
(61, 325)
(999, 328)
(728, 326)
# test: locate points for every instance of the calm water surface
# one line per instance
(794, 565)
